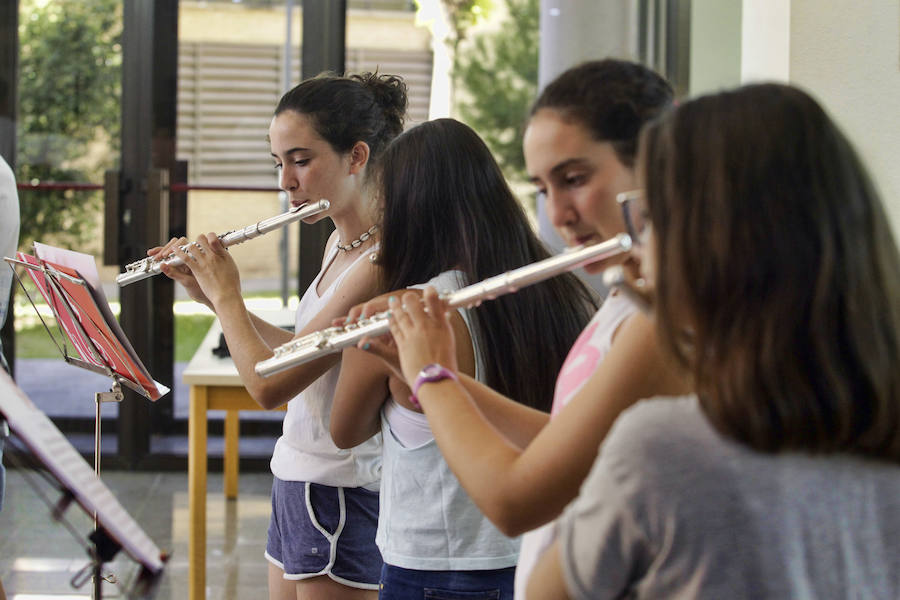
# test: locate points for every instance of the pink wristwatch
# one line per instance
(430, 374)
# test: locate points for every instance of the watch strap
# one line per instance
(430, 374)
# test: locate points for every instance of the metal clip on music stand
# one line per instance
(101, 346)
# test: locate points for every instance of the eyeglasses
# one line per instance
(636, 222)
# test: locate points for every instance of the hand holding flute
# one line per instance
(177, 259)
(157, 257)
(206, 270)
(421, 333)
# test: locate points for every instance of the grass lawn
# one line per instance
(33, 342)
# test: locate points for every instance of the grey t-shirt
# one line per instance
(672, 509)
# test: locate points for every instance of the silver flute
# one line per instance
(150, 266)
(334, 339)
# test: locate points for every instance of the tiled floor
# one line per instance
(39, 556)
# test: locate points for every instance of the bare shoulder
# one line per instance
(637, 329)
(360, 284)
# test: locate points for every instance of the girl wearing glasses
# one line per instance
(777, 292)
(520, 466)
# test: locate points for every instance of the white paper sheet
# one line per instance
(55, 452)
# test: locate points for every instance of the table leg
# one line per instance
(197, 465)
(232, 441)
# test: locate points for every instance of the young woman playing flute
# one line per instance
(521, 467)
(325, 137)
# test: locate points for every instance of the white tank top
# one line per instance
(589, 349)
(305, 451)
(427, 520)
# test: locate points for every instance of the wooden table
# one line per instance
(215, 385)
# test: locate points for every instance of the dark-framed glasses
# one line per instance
(636, 222)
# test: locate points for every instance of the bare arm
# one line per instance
(250, 339)
(547, 579)
(272, 335)
(519, 490)
(517, 422)
(361, 390)
(366, 382)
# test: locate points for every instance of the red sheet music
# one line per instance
(101, 332)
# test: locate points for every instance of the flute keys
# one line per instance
(139, 266)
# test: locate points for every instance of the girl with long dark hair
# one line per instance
(523, 467)
(449, 219)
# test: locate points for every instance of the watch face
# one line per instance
(431, 371)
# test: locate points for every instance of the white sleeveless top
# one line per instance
(589, 349)
(305, 451)
(427, 520)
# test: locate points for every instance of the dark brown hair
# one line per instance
(368, 107)
(447, 206)
(775, 256)
(611, 98)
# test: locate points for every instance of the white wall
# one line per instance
(715, 45)
(765, 40)
(847, 54)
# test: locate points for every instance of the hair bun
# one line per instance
(389, 92)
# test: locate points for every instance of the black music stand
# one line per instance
(114, 527)
(83, 315)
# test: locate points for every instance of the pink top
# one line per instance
(589, 349)
(587, 352)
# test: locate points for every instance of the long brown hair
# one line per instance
(778, 277)
(447, 206)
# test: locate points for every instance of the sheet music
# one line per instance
(104, 326)
(81, 344)
(86, 266)
(55, 452)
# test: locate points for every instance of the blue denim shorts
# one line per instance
(412, 584)
(322, 530)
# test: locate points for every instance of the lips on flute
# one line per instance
(150, 266)
(335, 339)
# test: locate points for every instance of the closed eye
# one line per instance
(575, 180)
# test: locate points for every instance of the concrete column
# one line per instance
(573, 31)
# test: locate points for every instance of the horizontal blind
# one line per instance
(227, 93)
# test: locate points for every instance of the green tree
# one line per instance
(499, 74)
(69, 88)
(462, 15)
